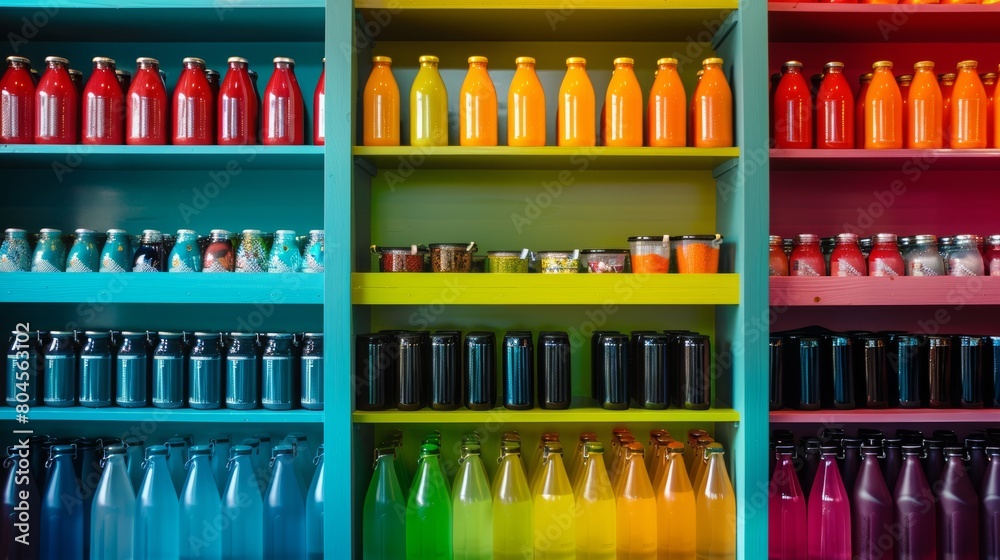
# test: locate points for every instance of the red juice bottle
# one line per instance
(859, 110)
(17, 103)
(847, 259)
(193, 106)
(793, 107)
(989, 529)
(146, 106)
(871, 510)
(237, 105)
(957, 510)
(57, 104)
(829, 512)
(885, 259)
(284, 111)
(786, 510)
(807, 258)
(834, 110)
(103, 105)
(319, 109)
(913, 513)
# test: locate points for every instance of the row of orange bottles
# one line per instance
(710, 112)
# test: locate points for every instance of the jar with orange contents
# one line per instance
(777, 259)
(650, 254)
(698, 254)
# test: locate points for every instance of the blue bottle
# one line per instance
(205, 372)
(112, 517)
(311, 368)
(59, 370)
(284, 509)
(200, 508)
(95, 370)
(116, 256)
(83, 255)
(62, 512)
(286, 256)
(149, 256)
(242, 504)
(132, 370)
(15, 252)
(277, 390)
(157, 512)
(89, 469)
(20, 540)
(50, 252)
(176, 459)
(312, 259)
(186, 254)
(168, 371)
(314, 511)
(242, 372)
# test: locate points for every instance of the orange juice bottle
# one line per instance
(713, 119)
(715, 509)
(675, 508)
(990, 83)
(883, 109)
(968, 108)
(525, 106)
(923, 109)
(477, 106)
(428, 106)
(635, 509)
(859, 110)
(577, 121)
(947, 83)
(623, 107)
(904, 82)
(666, 118)
(381, 105)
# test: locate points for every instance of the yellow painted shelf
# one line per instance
(544, 20)
(544, 157)
(587, 415)
(400, 288)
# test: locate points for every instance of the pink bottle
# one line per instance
(914, 517)
(989, 515)
(871, 510)
(786, 511)
(17, 103)
(284, 112)
(103, 106)
(957, 510)
(57, 104)
(193, 106)
(319, 109)
(237, 105)
(146, 106)
(847, 259)
(829, 512)
(793, 109)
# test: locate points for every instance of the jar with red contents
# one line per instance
(885, 258)
(777, 261)
(793, 107)
(400, 259)
(220, 255)
(807, 258)
(992, 259)
(847, 259)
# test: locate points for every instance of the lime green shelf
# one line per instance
(586, 415)
(561, 20)
(545, 157)
(381, 288)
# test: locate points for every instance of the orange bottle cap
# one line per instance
(833, 65)
(576, 60)
(478, 60)
(924, 64)
(429, 58)
(968, 64)
(381, 59)
(665, 61)
(882, 64)
(793, 63)
(708, 61)
(623, 60)
(524, 60)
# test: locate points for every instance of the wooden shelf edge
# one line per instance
(571, 415)
(115, 414)
(877, 291)
(890, 415)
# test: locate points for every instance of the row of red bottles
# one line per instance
(111, 111)
(913, 111)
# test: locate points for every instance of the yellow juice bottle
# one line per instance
(716, 510)
(636, 509)
(513, 536)
(675, 508)
(595, 508)
(574, 464)
(554, 516)
(535, 467)
(428, 106)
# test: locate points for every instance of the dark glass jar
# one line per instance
(242, 372)
(150, 256)
(480, 391)
(95, 370)
(278, 382)
(25, 364)
(168, 371)
(311, 367)
(373, 371)
(518, 371)
(132, 370)
(445, 392)
(205, 371)
(60, 370)
(554, 371)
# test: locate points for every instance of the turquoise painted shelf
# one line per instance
(587, 415)
(221, 416)
(220, 158)
(61, 287)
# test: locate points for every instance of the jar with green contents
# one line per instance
(505, 262)
(559, 262)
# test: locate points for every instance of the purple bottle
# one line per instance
(871, 510)
(786, 510)
(892, 461)
(829, 512)
(976, 446)
(957, 510)
(990, 512)
(914, 510)
(850, 463)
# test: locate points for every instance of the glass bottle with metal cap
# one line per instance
(57, 105)
(965, 259)
(381, 113)
(62, 512)
(146, 105)
(576, 119)
(477, 106)
(283, 111)
(193, 106)
(885, 259)
(95, 370)
(924, 257)
(525, 106)
(237, 105)
(17, 102)
(103, 106)
(60, 370)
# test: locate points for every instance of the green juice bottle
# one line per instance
(472, 507)
(428, 511)
(385, 511)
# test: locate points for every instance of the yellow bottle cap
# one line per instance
(968, 64)
(924, 64)
(624, 60)
(708, 61)
(793, 63)
(882, 64)
(833, 65)
(429, 58)
(664, 61)
(524, 60)
(576, 60)
(382, 59)
(949, 77)
(478, 60)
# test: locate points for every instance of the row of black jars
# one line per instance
(813, 369)
(201, 370)
(413, 370)
(652, 370)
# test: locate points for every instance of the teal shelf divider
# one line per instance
(61, 287)
(186, 415)
(219, 158)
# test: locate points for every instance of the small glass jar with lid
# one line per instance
(923, 258)
(777, 260)
(602, 261)
(559, 262)
(965, 259)
(884, 259)
(807, 258)
(847, 259)
(508, 261)
(991, 262)
(452, 257)
(400, 259)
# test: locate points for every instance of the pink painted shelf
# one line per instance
(874, 23)
(868, 290)
(886, 416)
(884, 160)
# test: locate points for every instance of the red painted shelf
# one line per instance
(869, 290)
(886, 416)
(884, 160)
(874, 23)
